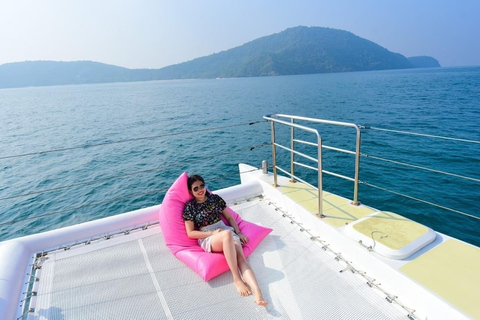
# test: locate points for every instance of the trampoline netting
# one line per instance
(135, 276)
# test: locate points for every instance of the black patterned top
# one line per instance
(205, 213)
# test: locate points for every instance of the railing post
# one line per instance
(320, 178)
(357, 169)
(274, 158)
(292, 154)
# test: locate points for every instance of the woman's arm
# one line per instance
(196, 234)
(234, 225)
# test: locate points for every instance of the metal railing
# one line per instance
(319, 160)
(401, 164)
(294, 142)
(274, 118)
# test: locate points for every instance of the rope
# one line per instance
(130, 174)
(420, 200)
(129, 140)
(104, 202)
(419, 134)
(419, 167)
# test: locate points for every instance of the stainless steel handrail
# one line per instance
(291, 174)
(293, 125)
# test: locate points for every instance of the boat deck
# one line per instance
(446, 266)
(135, 276)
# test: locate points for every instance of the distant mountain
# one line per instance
(299, 50)
(49, 73)
(424, 62)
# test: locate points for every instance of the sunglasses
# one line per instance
(200, 187)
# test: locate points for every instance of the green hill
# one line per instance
(424, 62)
(299, 50)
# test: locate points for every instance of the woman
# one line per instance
(203, 222)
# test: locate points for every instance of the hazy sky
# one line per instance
(157, 33)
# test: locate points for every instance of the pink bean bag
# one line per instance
(207, 265)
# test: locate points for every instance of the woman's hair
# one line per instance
(192, 179)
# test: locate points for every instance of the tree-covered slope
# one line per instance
(298, 50)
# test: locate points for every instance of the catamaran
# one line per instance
(326, 257)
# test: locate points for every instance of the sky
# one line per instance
(157, 33)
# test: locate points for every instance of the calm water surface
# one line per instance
(111, 178)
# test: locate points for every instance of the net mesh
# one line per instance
(136, 277)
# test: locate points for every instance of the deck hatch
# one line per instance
(390, 234)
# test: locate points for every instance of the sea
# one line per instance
(75, 153)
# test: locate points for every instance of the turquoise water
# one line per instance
(88, 118)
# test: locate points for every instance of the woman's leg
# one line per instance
(223, 242)
(248, 275)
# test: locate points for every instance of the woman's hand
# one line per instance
(243, 238)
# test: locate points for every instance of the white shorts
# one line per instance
(205, 243)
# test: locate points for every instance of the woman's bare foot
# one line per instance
(259, 299)
(242, 288)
